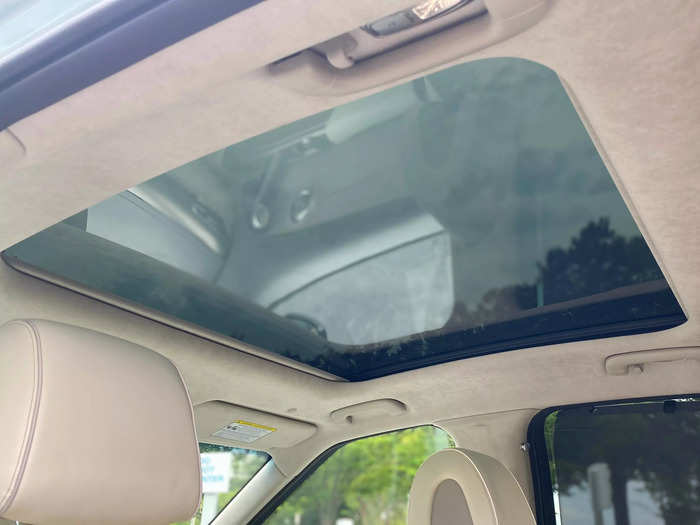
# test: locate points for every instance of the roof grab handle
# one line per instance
(632, 363)
(377, 408)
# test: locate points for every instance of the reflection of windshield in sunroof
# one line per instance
(462, 213)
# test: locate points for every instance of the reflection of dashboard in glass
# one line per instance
(406, 290)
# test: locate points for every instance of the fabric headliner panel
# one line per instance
(98, 44)
(632, 66)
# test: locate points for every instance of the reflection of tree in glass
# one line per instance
(660, 449)
(367, 480)
(597, 260)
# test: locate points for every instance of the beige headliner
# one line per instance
(632, 67)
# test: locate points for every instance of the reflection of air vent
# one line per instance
(397, 29)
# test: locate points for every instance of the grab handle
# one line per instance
(633, 362)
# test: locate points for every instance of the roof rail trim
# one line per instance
(97, 46)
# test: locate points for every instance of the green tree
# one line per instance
(661, 449)
(380, 493)
(367, 479)
(606, 439)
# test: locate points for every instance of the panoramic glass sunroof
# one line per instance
(463, 213)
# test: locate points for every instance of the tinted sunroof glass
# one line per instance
(462, 213)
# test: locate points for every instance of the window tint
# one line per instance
(225, 471)
(463, 213)
(426, 285)
(625, 464)
(365, 482)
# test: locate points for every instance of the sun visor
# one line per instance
(226, 424)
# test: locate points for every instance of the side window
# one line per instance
(364, 482)
(225, 471)
(622, 464)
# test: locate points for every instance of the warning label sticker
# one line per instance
(244, 431)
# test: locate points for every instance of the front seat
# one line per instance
(95, 430)
(462, 487)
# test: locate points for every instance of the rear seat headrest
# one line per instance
(95, 430)
(458, 487)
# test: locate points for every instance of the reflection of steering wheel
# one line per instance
(309, 324)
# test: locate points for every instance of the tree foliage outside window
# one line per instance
(652, 454)
(367, 480)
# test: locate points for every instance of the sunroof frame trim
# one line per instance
(164, 319)
(235, 344)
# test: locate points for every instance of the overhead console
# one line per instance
(404, 43)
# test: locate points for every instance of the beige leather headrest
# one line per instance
(460, 487)
(94, 430)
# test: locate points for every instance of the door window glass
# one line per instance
(626, 464)
(365, 482)
(225, 471)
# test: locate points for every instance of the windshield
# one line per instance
(225, 471)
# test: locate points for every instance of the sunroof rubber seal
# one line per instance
(110, 39)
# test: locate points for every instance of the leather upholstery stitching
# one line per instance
(194, 430)
(32, 417)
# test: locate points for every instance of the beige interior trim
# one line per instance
(377, 408)
(166, 319)
(251, 497)
(83, 432)
(492, 494)
(500, 435)
(11, 149)
(311, 74)
(635, 362)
